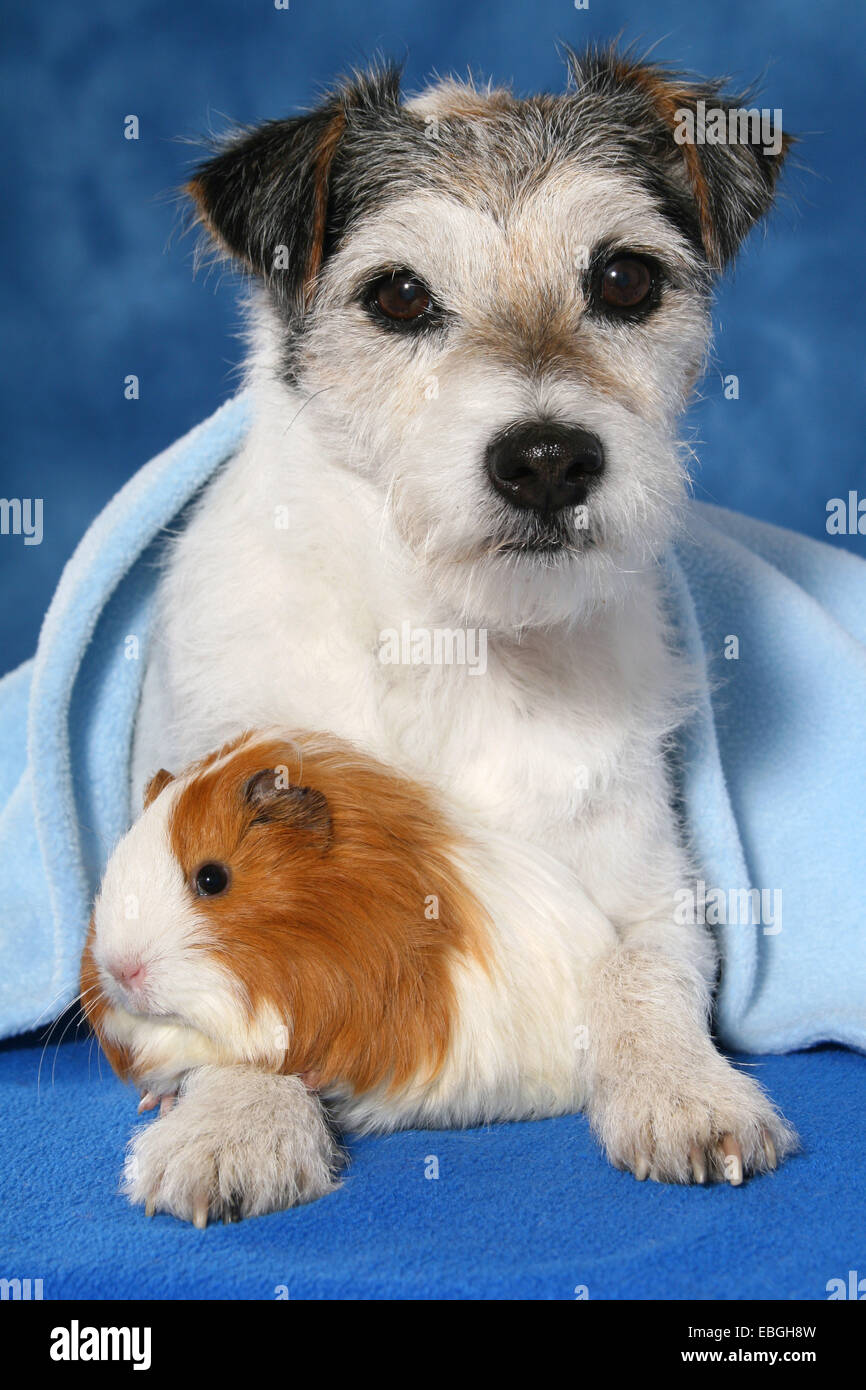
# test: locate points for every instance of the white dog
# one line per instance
(477, 319)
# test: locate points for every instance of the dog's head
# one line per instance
(497, 308)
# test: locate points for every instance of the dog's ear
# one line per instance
(731, 183)
(265, 198)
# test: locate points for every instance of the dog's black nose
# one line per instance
(542, 465)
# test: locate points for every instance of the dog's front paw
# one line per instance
(237, 1143)
(721, 1126)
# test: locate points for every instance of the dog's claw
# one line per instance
(732, 1156)
(642, 1168)
(199, 1213)
(166, 1104)
(698, 1161)
(149, 1207)
(770, 1150)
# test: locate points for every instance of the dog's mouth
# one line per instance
(543, 538)
(543, 546)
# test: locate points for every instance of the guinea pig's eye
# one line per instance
(211, 880)
(627, 284)
(401, 299)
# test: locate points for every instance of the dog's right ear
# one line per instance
(265, 197)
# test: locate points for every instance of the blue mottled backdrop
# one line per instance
(97, 285)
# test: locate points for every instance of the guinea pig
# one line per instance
(289, 906)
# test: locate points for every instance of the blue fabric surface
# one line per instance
(518, 1211)
(529, 1210)
(773, 775)
(66, 728)
(103, 284)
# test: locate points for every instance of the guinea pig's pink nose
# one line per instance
(130, 972)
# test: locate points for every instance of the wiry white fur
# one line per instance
(423, 452)
(659, 1089)
(559, 746)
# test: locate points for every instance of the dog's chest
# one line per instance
(524, 745)
(529, 734)
(530, 743)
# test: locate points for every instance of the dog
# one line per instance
(474, 322)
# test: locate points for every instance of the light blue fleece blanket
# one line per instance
(773, 764)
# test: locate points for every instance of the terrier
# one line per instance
(474, 321)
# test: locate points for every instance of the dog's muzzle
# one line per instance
(543, 466)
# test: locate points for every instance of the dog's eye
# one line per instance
(211, 880)
(401, 297)
(626, 283)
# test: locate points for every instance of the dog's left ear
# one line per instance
(686, 127)
(265, 199)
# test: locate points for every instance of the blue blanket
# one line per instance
(518, 1210)
(772, 765)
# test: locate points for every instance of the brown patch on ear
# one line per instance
(269, 187)
(666, 100)
(354, 950)
(321, 176)
(157, 783)
(668, 96)
(256, 183)
(96, 1007)
(302, 808)
(196, 192)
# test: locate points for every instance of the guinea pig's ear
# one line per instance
(300, 808)
(158, 781)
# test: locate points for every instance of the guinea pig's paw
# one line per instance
(238, 1143)
(150, 1100)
